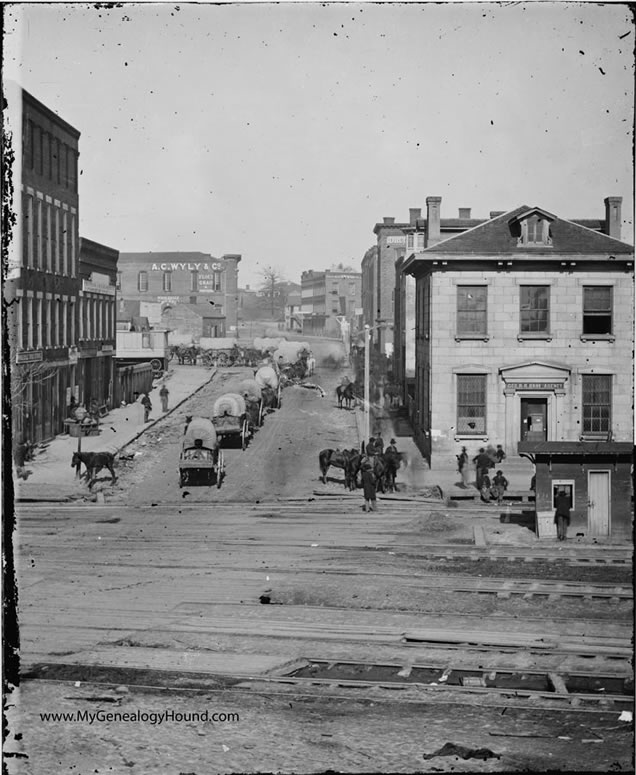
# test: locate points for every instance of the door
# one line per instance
(598, 503)
(534, 419)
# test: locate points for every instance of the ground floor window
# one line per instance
(597, 403)
(471, 404)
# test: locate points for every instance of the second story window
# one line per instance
(597, 309)
(118, 281)
(534, 310)
(472, 310)
(142, 281)
(597, 403)
(194, 280)
(167, 281)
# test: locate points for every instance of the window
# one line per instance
(167, 281)
(535, 231)
(535, 309)
(142, 281)
(597, 403)
(118, 281)
(597, 309)
(472, 304)
(145, 340)
(471, 404)
(194, 280)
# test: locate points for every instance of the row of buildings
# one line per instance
(66, 296)
(516, 327)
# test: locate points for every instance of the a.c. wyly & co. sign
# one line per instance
(187, 267)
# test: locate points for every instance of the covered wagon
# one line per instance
(200, 461)
(230, 418)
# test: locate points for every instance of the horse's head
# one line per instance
(76, 460)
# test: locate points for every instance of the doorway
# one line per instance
(534, 419)
(598, 502)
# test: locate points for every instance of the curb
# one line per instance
(151, 424)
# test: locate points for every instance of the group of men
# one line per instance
(489, 489)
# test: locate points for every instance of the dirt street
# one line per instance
(180, 601)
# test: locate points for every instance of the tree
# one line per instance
(271, 278)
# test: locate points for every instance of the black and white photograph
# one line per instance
(318, 370)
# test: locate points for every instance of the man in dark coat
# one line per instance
(147, 405)
(368, 485)
(483, 463)
(562, 514)
(499, 486)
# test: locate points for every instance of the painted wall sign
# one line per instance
(187, 267)
(31, 356)
(396, 240)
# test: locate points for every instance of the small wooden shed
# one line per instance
(597, 476)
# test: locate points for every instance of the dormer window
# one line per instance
(535, 232)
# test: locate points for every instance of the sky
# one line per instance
(285, 132)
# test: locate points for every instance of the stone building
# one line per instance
(42, 283)
(328, 297)
(159, 281)
(524, 332)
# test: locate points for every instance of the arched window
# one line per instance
(142, 281)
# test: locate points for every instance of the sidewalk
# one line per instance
(52, 477)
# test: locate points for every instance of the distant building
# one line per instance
(327, 296)
(42, 286)
(162, 281)
(523, 332)
(293, 312)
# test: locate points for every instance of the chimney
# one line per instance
(433, 227)
(414, 214)
(388, 221)
(613, 216)
(464, 213)
(496, 213)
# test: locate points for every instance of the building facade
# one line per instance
(42, 285)
(394, 241)
(96, 341)
(328, 298)
(160, 281)
(524, 332)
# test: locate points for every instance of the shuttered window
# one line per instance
(472, 302)
(471, 404)
(597, 403)
(142, 281)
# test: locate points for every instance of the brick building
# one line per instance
(524, 332)
(151, 283)
(42, 285)
(96, 329)
(327, 296)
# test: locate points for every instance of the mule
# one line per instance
(94, 462)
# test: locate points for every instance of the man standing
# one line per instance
(164, 393)
(483, 464)
(462, 466)
(147, 405)
(368, 484)
(562, 514)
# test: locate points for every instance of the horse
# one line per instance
(392, 462)
(94, 462)
(345, 394)
(336, 458)
(379, 469)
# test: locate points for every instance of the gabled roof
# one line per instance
(496, 237)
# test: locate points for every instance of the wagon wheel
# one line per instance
(220, 469)
(222, 359)
(244, 434)
(260, 413)
(156, 364)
